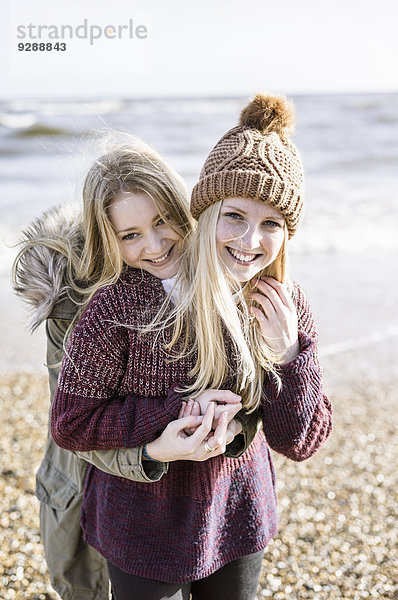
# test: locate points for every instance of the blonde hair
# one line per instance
(130, 167)
(213, 309)
(84, 255)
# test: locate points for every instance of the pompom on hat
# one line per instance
(256, 160)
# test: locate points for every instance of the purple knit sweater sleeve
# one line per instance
(298, 419)
(88, 412)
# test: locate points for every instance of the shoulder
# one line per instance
(133, 288)
(133, 294)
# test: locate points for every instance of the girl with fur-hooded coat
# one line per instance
(42, 276)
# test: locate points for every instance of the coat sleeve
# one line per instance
(250, 425)
(298, 418)
(122, 462)
(87, 411)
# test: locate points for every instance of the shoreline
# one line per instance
(353, 300)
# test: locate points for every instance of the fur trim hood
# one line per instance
(40, 272)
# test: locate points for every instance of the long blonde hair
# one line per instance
(212, 317)
(86, 252)
(131, 167)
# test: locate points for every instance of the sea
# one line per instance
(345, 254)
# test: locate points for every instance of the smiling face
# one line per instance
(249, 236)
(146, 241)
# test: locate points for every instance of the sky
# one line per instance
(179, 48)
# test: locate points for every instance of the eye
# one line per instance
(164, 221)
(270, 223)
(129, 236)
(233, 215)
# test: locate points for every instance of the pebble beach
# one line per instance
(337, 511)
(338, 531)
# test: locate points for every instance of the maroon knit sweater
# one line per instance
(117, 390)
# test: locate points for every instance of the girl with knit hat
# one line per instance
(233, 321)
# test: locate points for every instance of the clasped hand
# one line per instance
(198, 437)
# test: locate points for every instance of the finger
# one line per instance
(279, 313)
(196, 408)
(258, 314)
(269, 292)
(234, 428)
(205, 427)
(219, 437)
(181, 412)
(266, 304)
(209, 416)
(280, 289)
(190, 431)
(230, 411)
(193, 408)
(184, 423)
(229, 437)
(265, 325)
(224, 396)
(188, 408)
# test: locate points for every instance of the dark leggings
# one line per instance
(237, 580)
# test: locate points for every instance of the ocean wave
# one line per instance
(40, 130)
(69, 108)
(386, 118)
(349, 157)
(17, 121)
(370, 102)
(28, 125)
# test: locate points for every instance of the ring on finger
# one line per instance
(208, 448)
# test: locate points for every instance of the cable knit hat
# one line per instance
(256, 160)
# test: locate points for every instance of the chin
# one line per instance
(242, 277)
(167, 274)
(245, 279)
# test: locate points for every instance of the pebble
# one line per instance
(338, 533)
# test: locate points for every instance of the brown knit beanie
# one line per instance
(256, 160)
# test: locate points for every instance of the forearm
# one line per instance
(121, 462)
(298, 419)
(81, 423)
(127, 463)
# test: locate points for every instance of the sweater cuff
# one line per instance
(173, 402)
(288, 413)
(250, 425)
(297, 365)
(143, 470)
(150, 417)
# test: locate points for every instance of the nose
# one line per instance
(251, 239)
(154, 243)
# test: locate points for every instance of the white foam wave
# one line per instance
(74, 108)
(18, 121)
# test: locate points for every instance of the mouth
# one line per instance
(243, 258)
(162, 259)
